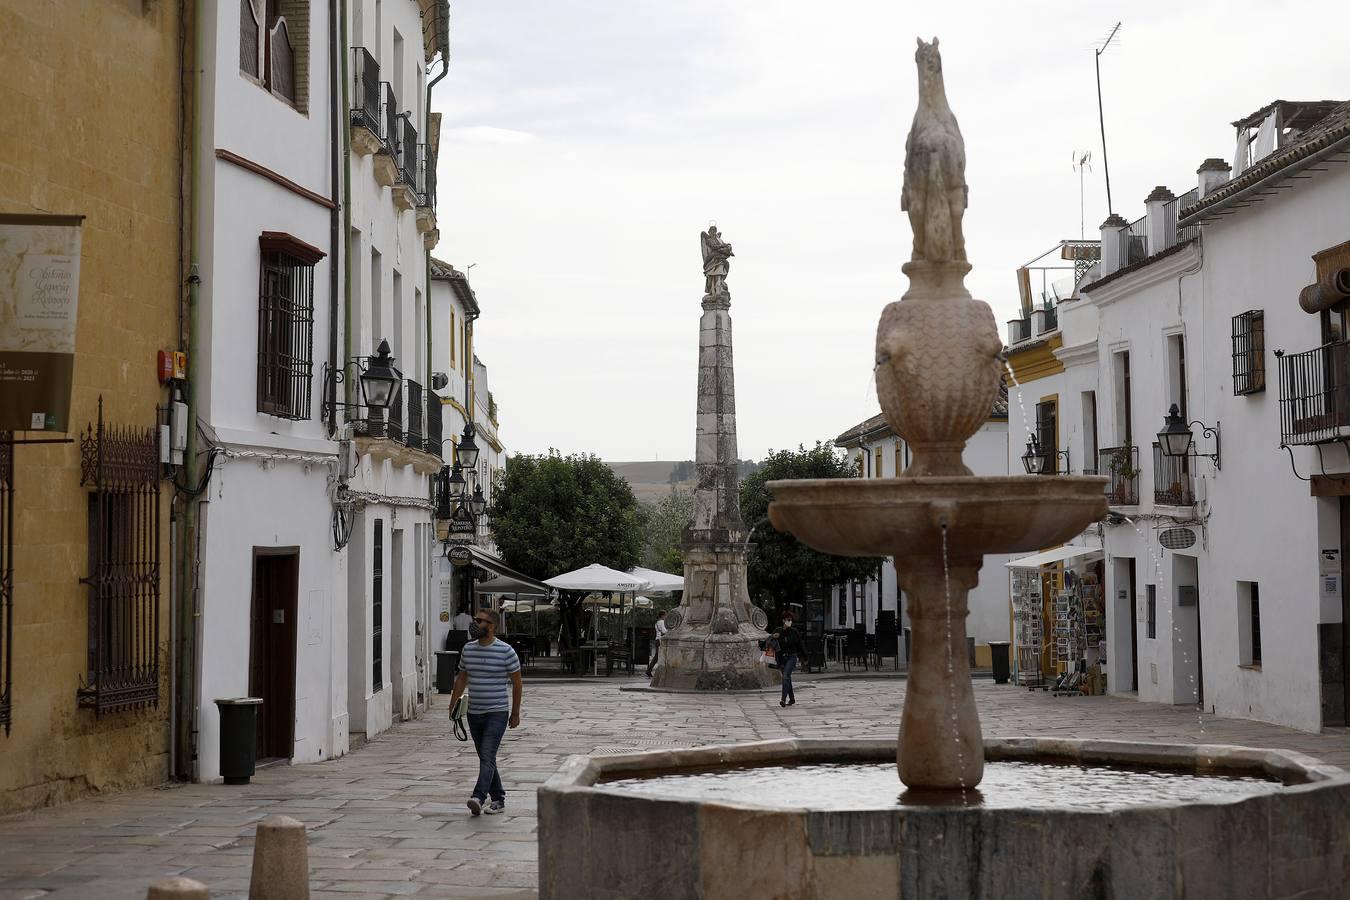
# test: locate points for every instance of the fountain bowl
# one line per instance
(599, 841)
(902, 517)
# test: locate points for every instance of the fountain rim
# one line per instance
(1297, 772)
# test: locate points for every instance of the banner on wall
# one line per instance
(39, 300)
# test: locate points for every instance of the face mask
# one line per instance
(787, 623)
(476, 631)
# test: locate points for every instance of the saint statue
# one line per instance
(716, 261)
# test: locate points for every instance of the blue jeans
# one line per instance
(789, 663)
(487, 729)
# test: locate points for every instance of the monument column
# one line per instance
(713, 641)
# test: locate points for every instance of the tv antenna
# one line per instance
(1101, 120)
(1082, 162)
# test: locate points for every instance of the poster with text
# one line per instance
(39, 299)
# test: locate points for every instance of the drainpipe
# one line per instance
(346, 209)
(426, 129)
(335, 217)
(185, 676)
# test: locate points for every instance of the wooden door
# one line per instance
(276, 576)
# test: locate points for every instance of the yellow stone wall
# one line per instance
(91, 94)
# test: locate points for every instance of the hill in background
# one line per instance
(653, 479)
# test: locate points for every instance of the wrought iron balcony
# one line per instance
(1172, 484)
(435, 424)
(365, 90)
(405, 152)
(413, 435)
(1121, 466)
(389, 118)
(1134, 242)
(393, 428)
(426, 177)
(1315, 394)
(1171, 212)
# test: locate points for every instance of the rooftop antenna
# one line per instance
(1101, 120)
(1082, 162)
(469, 269)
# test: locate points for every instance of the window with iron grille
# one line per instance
(1249, 352)
(286, 326)
(1151, 593)
(377, 609)
(6, 579)
(1047, 434)
(121, 465)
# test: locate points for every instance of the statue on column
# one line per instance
(934, 192)
(716, 261)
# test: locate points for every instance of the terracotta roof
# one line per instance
(459, 283)
(1135, 267)
(1332, 128)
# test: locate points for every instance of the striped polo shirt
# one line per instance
(488, 668)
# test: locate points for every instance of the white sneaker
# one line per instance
(475, 806)
(496, 807)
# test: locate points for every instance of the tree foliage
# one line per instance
(552, 514)
(664, 523)
(780, 565)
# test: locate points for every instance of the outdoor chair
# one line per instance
(888, 645)
(855, 649)
(620, 655)
(815, 654)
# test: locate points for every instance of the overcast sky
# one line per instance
(586, 144)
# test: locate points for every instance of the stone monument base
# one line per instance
(713, 662)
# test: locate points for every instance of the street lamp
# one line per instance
(1033, 460)
(379, 380)
(466, 453)
(478, 504)
(1177, 438)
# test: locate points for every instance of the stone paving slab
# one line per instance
(388, 820)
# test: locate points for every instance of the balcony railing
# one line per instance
(1171, 479)
(426, 177)
(389, 118)
(365, 90)
(1171, 212)
(1134, 242)
(393, 428)
(406, 151)
(1051, 319)
(1315, 394)
(435, 424)
(414, 435)
(1121, 466)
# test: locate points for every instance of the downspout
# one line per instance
(426, 129)
(335, 217)
(346, 211)
(185, 754)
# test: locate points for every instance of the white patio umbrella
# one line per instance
(661, 582)
(596, 577)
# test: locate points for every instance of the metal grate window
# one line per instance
(1249, 352)
(1151, 610)
(377, 609)
(1171, 479)
(1256, 623)
(6, 579)
(121, 464)
(285, 334)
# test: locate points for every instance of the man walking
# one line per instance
(661, 630)
(485, 667)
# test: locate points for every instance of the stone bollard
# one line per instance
(178, 888)
(280, 861)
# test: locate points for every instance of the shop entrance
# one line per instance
(276, 584)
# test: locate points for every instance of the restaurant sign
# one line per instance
(39, 296)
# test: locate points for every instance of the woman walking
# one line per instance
(790, 646)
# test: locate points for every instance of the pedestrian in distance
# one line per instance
(661, 630)
(486, 666)
(790, 646)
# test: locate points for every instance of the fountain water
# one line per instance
(1059, 818)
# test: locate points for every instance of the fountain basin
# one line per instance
(902, 517)
(600, 839)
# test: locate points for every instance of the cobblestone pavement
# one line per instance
(388, 820)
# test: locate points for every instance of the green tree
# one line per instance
(664, 523)
(780, 565)
(551, 514)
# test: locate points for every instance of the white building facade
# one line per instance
(297, 479)
(1223, 302)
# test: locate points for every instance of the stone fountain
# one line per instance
(1051, 817)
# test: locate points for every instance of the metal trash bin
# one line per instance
(447, 665)
(998, 650)
(238, 738)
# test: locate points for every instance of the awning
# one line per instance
(504, 580)
(661, 582)
(1059, 554)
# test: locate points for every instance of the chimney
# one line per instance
(1112, 256)
(1159, 231)
(1213, 175)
